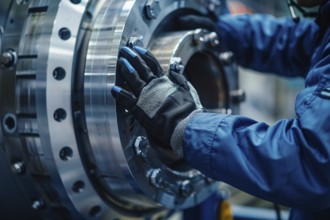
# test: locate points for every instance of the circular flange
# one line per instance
(127, 173)
(89, 157)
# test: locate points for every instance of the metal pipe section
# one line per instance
(67, 150)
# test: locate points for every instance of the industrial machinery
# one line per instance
(66, 150)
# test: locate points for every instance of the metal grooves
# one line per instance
(100, 72)
(28, 129)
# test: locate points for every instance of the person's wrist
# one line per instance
(178, 134)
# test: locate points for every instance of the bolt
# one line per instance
(152, 9)
(18, 168)
(21, 2)
(227, 57)
(212, 39)
(176, 65)
(38, 204)
(213, 5)
(141, 146)
(8, 58)
(136, 41)
(186, 188)
(154, 177)
(198, 37)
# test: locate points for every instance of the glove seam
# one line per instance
(178, 133)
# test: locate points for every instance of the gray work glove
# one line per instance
(162, 104)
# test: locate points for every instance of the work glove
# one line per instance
(199, 21)
(162, 104)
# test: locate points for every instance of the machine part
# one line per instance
(8, 58)
(18, 168)
(66, 147)
(152, 9)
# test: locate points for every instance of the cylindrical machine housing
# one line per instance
(67, 150)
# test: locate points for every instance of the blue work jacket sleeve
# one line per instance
(287, 163)
(266, 44)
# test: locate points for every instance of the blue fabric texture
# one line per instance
(288, 162)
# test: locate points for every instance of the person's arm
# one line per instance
(267, 44)
(287, 162)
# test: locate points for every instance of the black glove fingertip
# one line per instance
(178, 79)
(115, 91)
(126, 65)
(127, 52)
(151, 60)
(123, 97)
(140, 50)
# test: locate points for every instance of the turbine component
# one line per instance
(67, 150)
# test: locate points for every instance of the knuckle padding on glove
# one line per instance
(152, 96)
(161, 106)
(176, 107)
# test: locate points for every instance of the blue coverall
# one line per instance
(288, 162)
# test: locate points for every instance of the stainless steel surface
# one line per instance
(72, 152)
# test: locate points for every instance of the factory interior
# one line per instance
(68, 151)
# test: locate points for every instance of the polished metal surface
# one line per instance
(73, 153)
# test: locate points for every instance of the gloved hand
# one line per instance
(199, 21)
(162, 104)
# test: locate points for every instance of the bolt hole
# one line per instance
(94, 211)
(60, 115)
(64, 33)
(78, 186)
(88, 16)
(66, 153)
(59, 73)
(9, 123)
(75, 1)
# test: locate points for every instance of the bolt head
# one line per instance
(213, 5)
(155, 177)
(227, 57)
(141, 146)
(212, 39)
(176, 65)
(18, 168)
(198, 37)
(38, 204)
(152, 9)
(8, 58)
(186, 188)
(136, 41)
